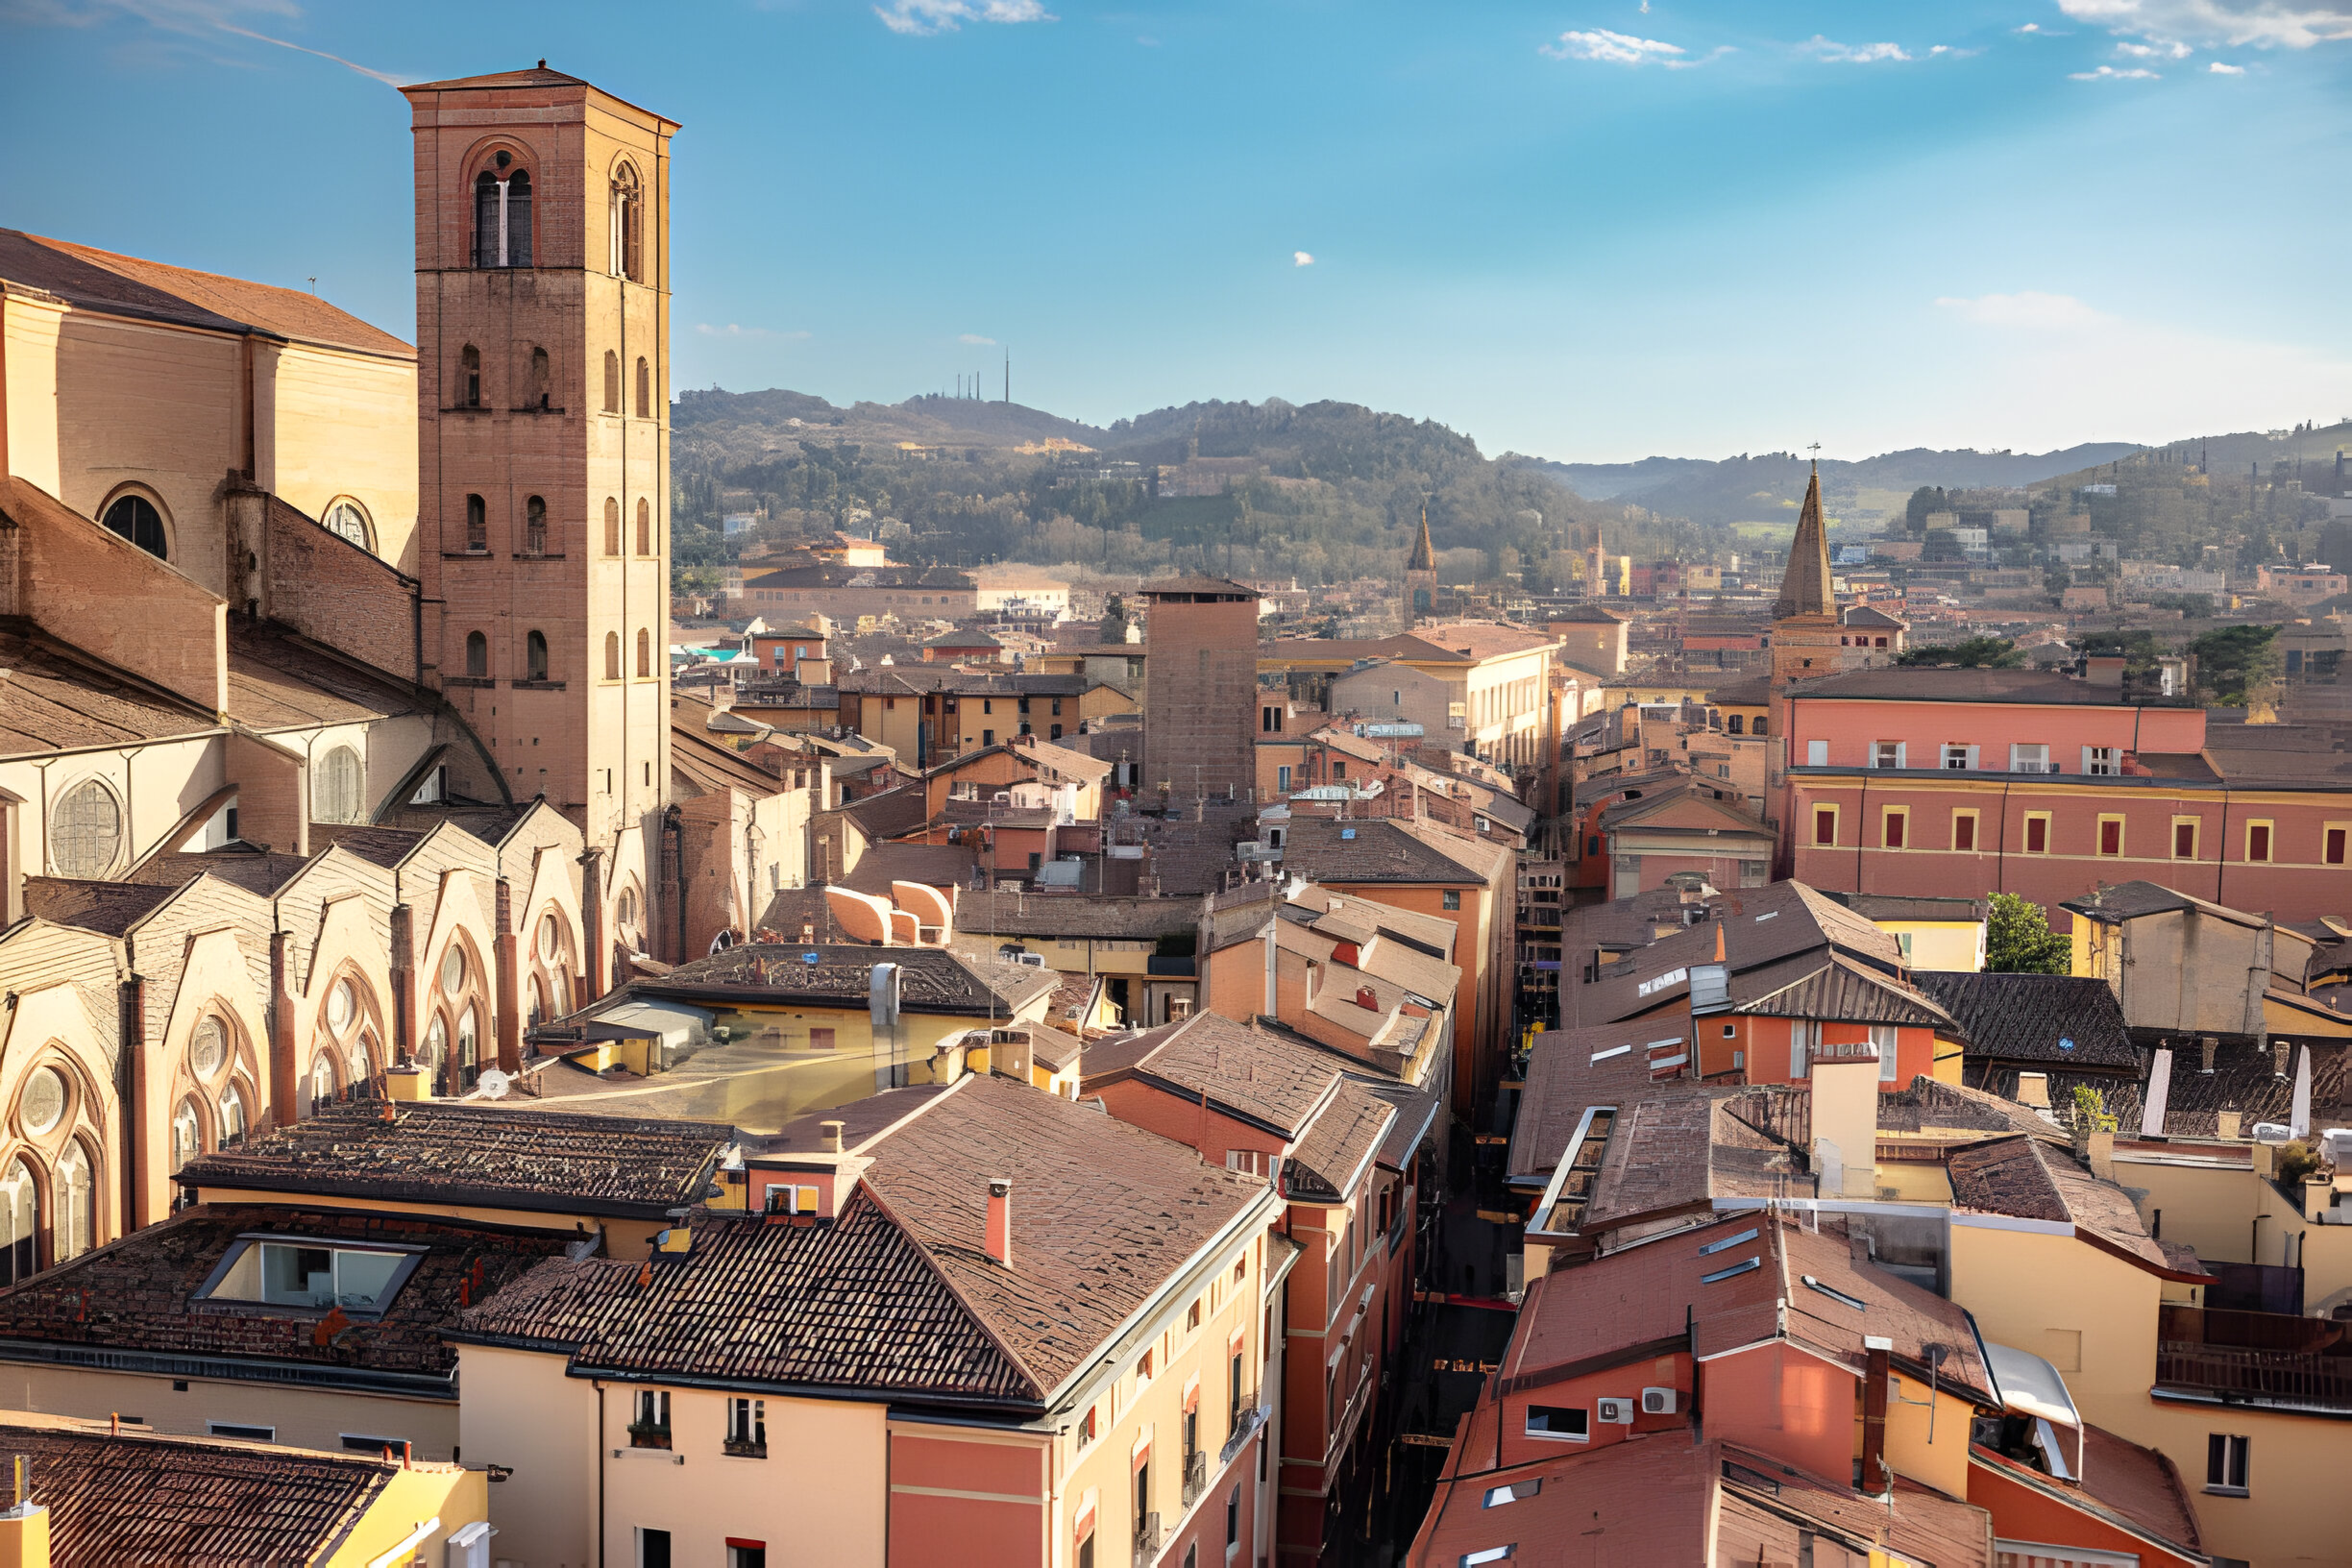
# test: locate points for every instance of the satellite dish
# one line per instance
(494, 1084)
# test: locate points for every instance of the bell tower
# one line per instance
(542, 350)
(1420, 577)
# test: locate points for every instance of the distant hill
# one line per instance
(1763, 488)
(743, 425)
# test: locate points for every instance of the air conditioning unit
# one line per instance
(1657, 1401)
(1617, 1412)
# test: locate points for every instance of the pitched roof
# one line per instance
(2027, 1179)
(1386, 849)
(1805, 588)
(56, 697)
(1424, 557)
(254, 871)
(474, 1155)
(153, 290)
(1196, 587)
(128, 1496)
(856, 1304)
(1569, 1071)
(141, 1296)
(1263, 1074)
(1344, 1136)
(112, 908)
(1484, 639)
(278, 679)
(2059, 1018)
(1938, 683)
(1002, 911)
(1103, 1214)
(932, 979)
(386, 847)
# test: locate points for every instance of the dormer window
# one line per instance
(290, 1272)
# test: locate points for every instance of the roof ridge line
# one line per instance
(930, 1261)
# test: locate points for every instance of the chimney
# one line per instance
(2100, 1155)
(24, 1524)
(2034, 1089)
(1877, 1353)
(2205, 1048)
(2226, 1123)
(1845, 1119)
(1000, 1220)
(2104, 670)
(830, 1136)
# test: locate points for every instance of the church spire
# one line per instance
(1805, 587)
(1424, 557)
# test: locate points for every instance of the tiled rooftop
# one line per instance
(141, 1295)
(546, 1160)
(2055, 1018)
(932, 979)
(134, 1497)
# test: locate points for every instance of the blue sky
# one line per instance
(1588, 231)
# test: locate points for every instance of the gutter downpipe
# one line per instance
(602, 1461)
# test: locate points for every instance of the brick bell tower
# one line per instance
(542, 349)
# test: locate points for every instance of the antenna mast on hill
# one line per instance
(1008, 377)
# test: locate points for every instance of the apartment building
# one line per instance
(974, 1323)
(1957, 782)
(1355, 1161)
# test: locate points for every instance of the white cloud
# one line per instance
(1851, 54)
(2046, 358)
(2024, 309)
(189, 19)
(976, 341)
(2175, 50)
(2218, 68)
(2265, 24)
(1616, 48)
(742, 334)
(921, 17)
(2109, 73)
(1300, 258)
(2031, 28)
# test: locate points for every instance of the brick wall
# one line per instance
(327, 588)
(273, 793)
(1200, 708)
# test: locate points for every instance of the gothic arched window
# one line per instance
(644, 527)
(628, 225)
(611, 382)
(137, 519)
(612, 655)
(339, 788)
(470, 377)
(612, 526)
(534, 526)
(541, 382)
(502, 215)
(644, 389)
(477, 655)
(20, 1214)
(535, 656)
(345, 517)
(645, 653)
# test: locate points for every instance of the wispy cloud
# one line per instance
(2220, 67)
(919, 18)
(2173, 50)
(2109, 73)
(2031, 28)
(976, 341)
(190, 19)
(1851, 54)
(1300, 258)
(1613, 48)
(2025, 308)
(2263, 24)
(731, 330)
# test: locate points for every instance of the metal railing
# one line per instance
(1196, 1476)
(2256, 1355)
(1147, 1540)
(1246, 1427)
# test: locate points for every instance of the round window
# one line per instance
(45, 1102)
(346, 518)
(85, 830)
(209, 1048)
(550, 937)
(342, 1003)
(453, 970)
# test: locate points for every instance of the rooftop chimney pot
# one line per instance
(999, 1221)
(831, 1131)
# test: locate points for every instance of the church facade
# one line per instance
(334, 705)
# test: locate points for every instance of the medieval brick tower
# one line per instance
(1804, 645)
(1420, 577)
(542, 349)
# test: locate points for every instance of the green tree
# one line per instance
(2019, 941)
(1925, 500)
(2238, 667)
(1970, 653)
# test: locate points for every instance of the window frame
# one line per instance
(147, 495)
(2025, 836)
(1583, 1420)
(1895, 827)
(2099, 849)
(2196, 826)
(1878, 758)
(1967, 757)
(1968, 813)
(113, 860)
(2268, 828)
(2229, 1463)
(2342, 847)
(1834, 813)
(2020, 753)
(410, 1257)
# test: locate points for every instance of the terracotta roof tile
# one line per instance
(2055, 1018)
(539, 1160)
(137, 1496)
(1344, 1135)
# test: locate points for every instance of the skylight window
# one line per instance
(1750, 1264)
(1612, 1051)
(1517, 1491)
(1727, 1243)
(318, 1274)
(1492, 1554)
(1836, 1295)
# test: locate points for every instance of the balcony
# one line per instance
(1149, 1537)
(1246, 1427)
(1196, 1476)
(2254, 1357)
